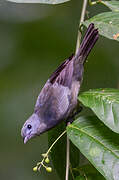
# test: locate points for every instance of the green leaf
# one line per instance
(107, 23)
(113, 5)
(40, 1)
(80, 178)
(105, 104)
(89, 172)
(89, 177)
(58, 153)
(98, 143)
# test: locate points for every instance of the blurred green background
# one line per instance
(34, 40)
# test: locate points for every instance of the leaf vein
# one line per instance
(72, 126)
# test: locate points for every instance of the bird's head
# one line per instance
(32, 127)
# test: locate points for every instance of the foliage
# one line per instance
(89, 172)
(98, 143)
(40, 1)
(107, 23)
(105, 104)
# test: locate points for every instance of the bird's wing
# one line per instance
(63, 74)
(55, 97)
(53, 103)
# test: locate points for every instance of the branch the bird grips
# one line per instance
(58, 98)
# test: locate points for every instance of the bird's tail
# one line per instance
(72, 68)
(87, 44)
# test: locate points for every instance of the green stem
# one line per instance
(40, 164)
(55, 142)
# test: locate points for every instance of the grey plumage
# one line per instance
(58, 98)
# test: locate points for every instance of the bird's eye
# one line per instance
(29, 126)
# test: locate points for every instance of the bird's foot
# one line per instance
(72, 117)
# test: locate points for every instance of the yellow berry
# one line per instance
(35, 169)
(47, 160)
(48, 169)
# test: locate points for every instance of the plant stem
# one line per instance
(67, 158)
(40, 164)
(83, 12)
(55, 142)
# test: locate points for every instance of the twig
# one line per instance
(67, 158)
(83, 12)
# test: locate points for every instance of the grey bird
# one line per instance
(58, 98)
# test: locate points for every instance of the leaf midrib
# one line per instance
(72, 126)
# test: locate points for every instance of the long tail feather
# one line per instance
(88, 42)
